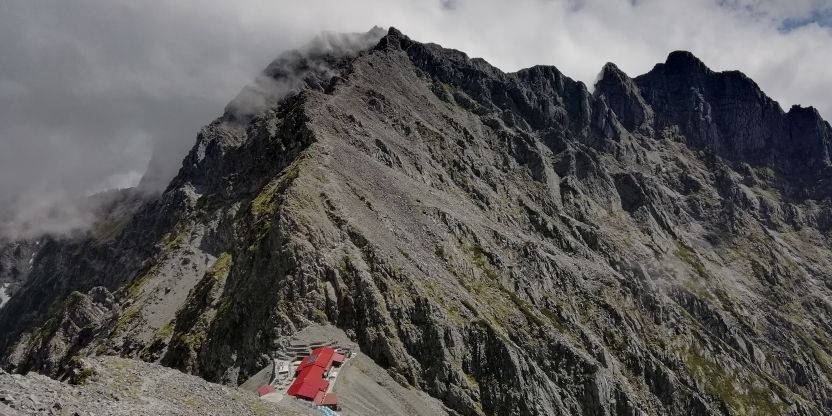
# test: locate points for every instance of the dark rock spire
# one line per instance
(623, 97)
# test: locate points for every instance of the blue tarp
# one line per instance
(327, 411)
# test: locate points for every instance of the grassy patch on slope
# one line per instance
(741, 397)
(689, 256)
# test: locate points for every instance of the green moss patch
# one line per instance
(741, 397)
(264, 205)
(689, 256)
(175, 239)
(494, 291)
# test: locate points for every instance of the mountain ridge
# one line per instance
(506, 242)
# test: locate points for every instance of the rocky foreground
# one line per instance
(507, 243)
(118, 386)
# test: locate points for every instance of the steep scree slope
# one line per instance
(510, 243)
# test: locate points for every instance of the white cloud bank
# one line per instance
(88, 88)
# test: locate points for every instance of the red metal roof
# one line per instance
(309, 381)
(320, 357)
(330, 399)
(308, 391)
(293, 389)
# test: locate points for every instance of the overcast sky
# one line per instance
(88, 88)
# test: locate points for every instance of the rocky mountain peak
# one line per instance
(394, 39)
(809, 137)
(728, 114)
(684, 62)
(624, 98)
(611, 71)
(507, 243)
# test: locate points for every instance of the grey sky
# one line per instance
(88, 88)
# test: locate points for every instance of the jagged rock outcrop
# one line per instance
(509, 243)
(16, 259)
(624, 98)
(728, 114)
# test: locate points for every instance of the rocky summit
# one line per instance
(506, 243)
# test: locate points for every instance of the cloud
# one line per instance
(54, 212)
(819, 17)
(305, 65)
(91, 89)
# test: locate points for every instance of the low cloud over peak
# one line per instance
(92, 89)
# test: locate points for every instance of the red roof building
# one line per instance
(308, 383)
(321, 357)
(330, 400)
(309, 378)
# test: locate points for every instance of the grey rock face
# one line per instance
(16, 260)
(728, 114)
(624, 98)
(509, 243)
